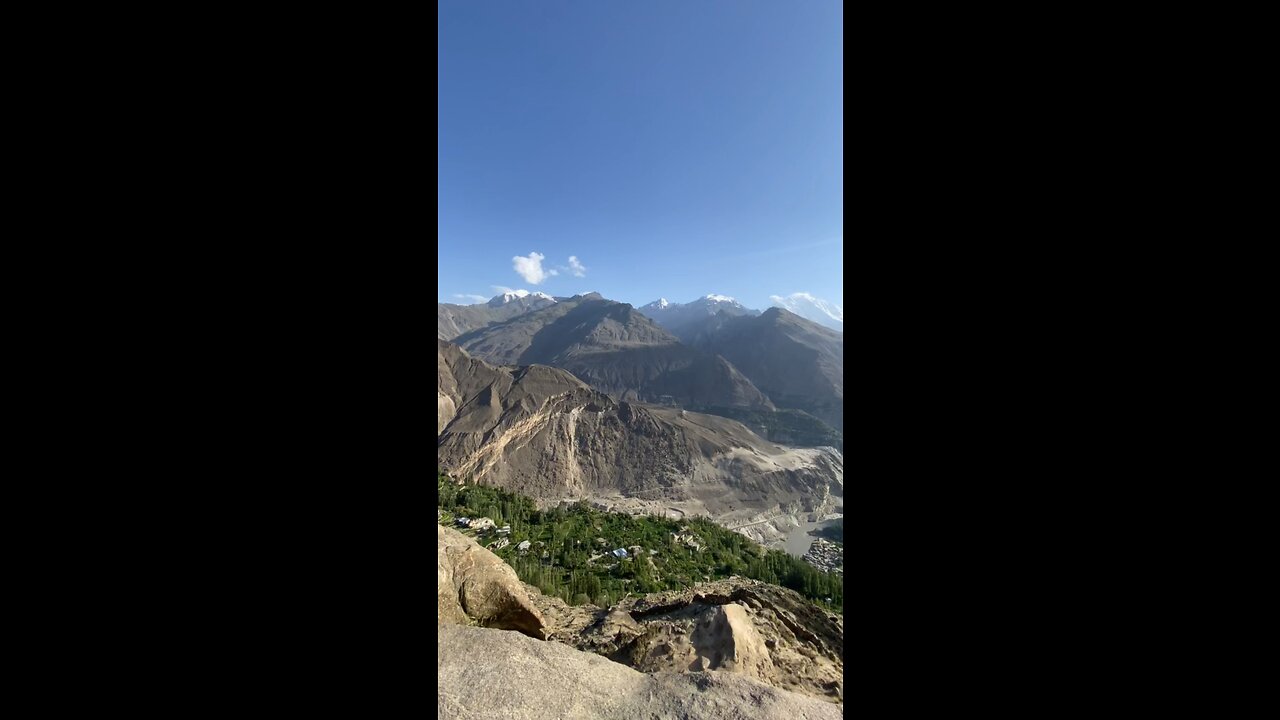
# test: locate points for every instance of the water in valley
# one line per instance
(799, 540)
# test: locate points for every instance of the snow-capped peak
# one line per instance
(720, 298)
(510, 295)
(812, 308)
(662, 302)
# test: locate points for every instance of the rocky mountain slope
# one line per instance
(732, 650)
(798, 363)
(614, 349)
(542, 432)
(762, 631)
(454, 320)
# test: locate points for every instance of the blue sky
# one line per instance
(675, 149)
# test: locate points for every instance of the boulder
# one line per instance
(719, 637)
(448, 606)
(474, 584)
(481, 524)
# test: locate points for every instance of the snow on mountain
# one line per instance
(661, 304)
(685, 320)
(812, 308)
(511, 295)
(706, 301)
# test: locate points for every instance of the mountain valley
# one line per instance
(544, 433)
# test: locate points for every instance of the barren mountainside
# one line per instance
(542, 432)
(454, 320)
(798, 363)
(616, 350)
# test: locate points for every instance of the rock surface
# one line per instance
(740, 626)
(486, 673)
(474, 584)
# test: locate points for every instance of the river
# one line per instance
(799, 540)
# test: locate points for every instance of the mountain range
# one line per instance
(682, 318)
(711, 354)
(797, 363)
(613, 348)
(544, 433)
(673, 408)
(454, 320)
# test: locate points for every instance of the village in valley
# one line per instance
(583, 554)
(496, 538)
(823, 554)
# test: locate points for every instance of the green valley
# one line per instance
(571, 550)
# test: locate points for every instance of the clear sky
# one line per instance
(675, 148)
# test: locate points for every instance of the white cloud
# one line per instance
(473, 298)
(504, 290)
(530, 268)
(578, 269)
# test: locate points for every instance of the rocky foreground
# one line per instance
(732, 649)
(738, 625)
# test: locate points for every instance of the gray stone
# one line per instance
(485, 673)
(473, 583)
